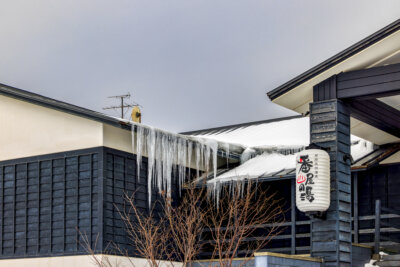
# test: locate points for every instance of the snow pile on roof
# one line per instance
(273, 146)
(263, 165)
(284, 133)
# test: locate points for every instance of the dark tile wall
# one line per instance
(50, 203)
(44, 200)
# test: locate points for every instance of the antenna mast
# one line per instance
(123, 105)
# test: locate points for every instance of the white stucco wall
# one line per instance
(117, 138)
(29, 130)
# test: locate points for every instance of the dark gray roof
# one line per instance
(375, 157)
(232, 127)
(23, 95)
(336, 59)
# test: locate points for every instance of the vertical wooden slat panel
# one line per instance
(51, 205)
(65, 203)
(2, 209)
(38, 205)
(37, 201)
(15, 208)
(26, 209)
(89, 234)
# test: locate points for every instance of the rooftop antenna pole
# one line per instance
(123, 105)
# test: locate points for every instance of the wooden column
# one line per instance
(331, 236)
(293, 216)
(355, 207)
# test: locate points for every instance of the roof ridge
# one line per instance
(228, 127)
(48, 102)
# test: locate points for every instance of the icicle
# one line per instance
(139, 148)
(227, 154)
(151, 140)
(133, 139)
(189, 155)
(207, 159)
(215, 157)
(170, 155)
(159, 157)
(202, 163)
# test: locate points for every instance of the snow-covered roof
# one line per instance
(291, 132)
(270, 165)
(274, 144)
(263, 165)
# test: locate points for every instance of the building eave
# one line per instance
(334, 60)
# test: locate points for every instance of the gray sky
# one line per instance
(191, 64)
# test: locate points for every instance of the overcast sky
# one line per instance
(190, 64)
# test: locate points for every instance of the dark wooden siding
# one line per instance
(44, 200)
(325, 90)
(121, 178)
(382, 183)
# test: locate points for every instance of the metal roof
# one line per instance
(336, 59)
(375, 157)
(228, 128)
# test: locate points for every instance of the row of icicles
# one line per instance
(170, 155)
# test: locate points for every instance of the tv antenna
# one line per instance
(123, 106)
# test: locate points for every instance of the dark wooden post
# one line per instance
(355, 207)
(331, 236)
(377, 226)
(293, 215)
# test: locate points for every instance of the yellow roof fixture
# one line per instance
(136, 114)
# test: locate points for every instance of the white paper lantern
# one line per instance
(313, 184)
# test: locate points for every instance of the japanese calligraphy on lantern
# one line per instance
(312, 180)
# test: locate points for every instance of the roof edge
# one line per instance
(243, 124)
(47, 102)
(334, 60)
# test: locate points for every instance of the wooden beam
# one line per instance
(360, 84)
(376, 114)
(369, 83)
